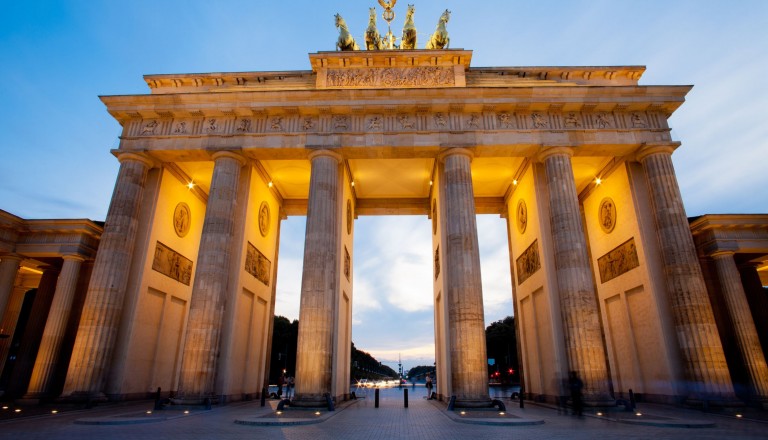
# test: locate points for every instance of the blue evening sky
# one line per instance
(57, 57)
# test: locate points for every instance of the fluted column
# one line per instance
(319, 281)
(55, 327)
(464, 291)
(103, 305)
(9, 267)
(578, 301)
(33, 332)
(699, 340)
(743, 325)
(209, 292)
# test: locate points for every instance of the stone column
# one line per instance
(743, 325)
(55, 327)
(100, 317)
(697, 335)
(578, 301)
(209, 292)
(33, 332)
(9, 266)
(464, 291)
(314, 358)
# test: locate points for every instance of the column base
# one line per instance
(717, 401)
(483, 402)
(83, 397)
(309, 401)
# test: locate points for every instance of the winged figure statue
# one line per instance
(387, 5)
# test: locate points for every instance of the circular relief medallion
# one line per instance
(522, 216)
(264, 219)
(434, 217)
(349, 217)
(607, 215)
(182, 219)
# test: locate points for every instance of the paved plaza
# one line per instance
(361, 420)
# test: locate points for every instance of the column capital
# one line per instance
(324, 152)
(547, 152)
(229, 154)
(720, 254)
(11, 257)
(453, 151)
(648, 149)
(137, 157)
(73, 257)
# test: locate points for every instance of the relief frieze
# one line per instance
(528, 262)
(391, 77)
(398, 122)
(257, 264)
(172, 264)
(619, 261)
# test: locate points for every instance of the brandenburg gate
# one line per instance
(578, 160)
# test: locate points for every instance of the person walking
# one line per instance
(429, 386)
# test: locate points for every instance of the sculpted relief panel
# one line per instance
(455, 120)
(172, 264)
(528, 262)
(257, 264)
(391, 77)
(619, 261)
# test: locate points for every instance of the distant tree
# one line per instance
(419, 373)
(285, 335)
(365, 366)
(501, 344)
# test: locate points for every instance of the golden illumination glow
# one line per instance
(463, 413)
(430, 183)
(279, 413)
(54, 411)
(514, 182)
(270, 184)
(191, 185)
(598, 181)
(186, 411)
(353, 183)
(599, 414)
(317, 413)
(638, 414)
(5, 407)
(17, 410)
(739, 416)
(501, 413)
(149, 412)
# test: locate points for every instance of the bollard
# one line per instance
(207, 402)
(376, 398)
(158, 402)
(263, 396)
(632, 402)
(451, 403)
(405, 398)
(522, 405)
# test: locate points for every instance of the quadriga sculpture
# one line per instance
(439, 39)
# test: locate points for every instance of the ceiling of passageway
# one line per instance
(396, 178)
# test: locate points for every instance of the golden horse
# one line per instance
(409, 30)
(440, 40)
(372, 38)
(345, 41)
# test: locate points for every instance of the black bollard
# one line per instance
(158, 402)
(632, 402)
(405, 397)
(264, 396)
(451, 403)
(207, 402)
(376, 398)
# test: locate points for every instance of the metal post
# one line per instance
(405, 397)
(376, 398)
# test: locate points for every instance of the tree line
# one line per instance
(500, 341)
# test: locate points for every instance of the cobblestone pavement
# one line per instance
(360, 420)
